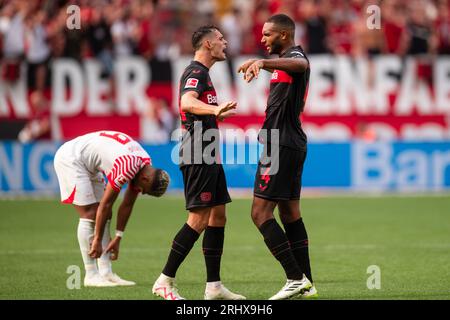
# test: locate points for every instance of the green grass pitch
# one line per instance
(408, 238)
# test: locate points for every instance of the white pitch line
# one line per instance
(235, 248)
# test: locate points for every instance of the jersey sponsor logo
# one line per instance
(280, 76)
(211, 98)
(191, 83)
(205, 196)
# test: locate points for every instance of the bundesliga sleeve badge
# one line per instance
(191, 83)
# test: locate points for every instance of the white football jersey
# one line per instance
(114, 153)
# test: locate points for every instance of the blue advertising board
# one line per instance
(381, 166)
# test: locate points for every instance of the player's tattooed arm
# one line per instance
(191, 104)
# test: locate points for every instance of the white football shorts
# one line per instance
(77, 185)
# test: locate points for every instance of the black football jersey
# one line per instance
(196, 78)
(286, 101)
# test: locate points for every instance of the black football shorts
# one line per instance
(204, 186)
(280, 178)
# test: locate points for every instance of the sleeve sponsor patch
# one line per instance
(191, 83)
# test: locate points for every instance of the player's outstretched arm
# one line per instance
(191, 104)
(105, 206)
(225, 109)
(123, 215)
(243, 68)
(292, 65)
(227, 114)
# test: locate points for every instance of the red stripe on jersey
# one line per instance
(182, 114)
(280, 76)
(124, 169)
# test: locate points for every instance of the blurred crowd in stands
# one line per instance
(35, 31)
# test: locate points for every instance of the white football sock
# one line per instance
(104, 262)
(85, 235)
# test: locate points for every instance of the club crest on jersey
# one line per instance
(191, 83)
(205, 196)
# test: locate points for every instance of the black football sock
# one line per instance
(212, 250)
(278, 244)
(181, 245)
(298, 239)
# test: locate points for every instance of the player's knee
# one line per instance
(91, 214)
(289, 216)
(87, 212)
(217, 220)
(199, 225)
(259, 217)
(198, 219)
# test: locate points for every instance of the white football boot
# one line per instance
(292, 288)
(310, 293)
(165, 287)
(112, 277)
(96, 280)
(220, 292)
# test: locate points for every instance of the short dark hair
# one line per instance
(282, 21)
(200, 33)
(160, 183)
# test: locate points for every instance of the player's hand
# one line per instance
(113, 248)
(250, 69)
(243, 68)
(253, 70)
(227, 114)
(96, 249)
(224, 107)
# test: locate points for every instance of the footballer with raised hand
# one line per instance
(281, 188)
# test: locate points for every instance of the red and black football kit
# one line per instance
(204, 184)
(286, 101)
